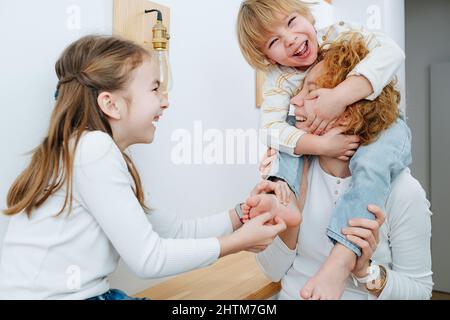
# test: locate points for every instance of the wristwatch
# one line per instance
(239, 212)
(377, 285)
(375, 281)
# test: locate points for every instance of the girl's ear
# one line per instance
(108, 105)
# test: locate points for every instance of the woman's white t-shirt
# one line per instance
(404, 246)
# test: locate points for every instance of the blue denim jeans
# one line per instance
(373, 168)
(115, 294)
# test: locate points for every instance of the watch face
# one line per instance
(377, 283)
(374, 285)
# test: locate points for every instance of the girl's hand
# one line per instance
(337, 145)
(253, 236)
(364, 233)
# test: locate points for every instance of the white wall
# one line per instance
(212, 84)
(384, 15)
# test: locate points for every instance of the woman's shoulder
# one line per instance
(407, 197)
(95, 146)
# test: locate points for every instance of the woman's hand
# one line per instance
(364, 233)
(280, 188)
(253, 236)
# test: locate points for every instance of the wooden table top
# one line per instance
(235, 277)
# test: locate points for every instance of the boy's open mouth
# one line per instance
(303, 50)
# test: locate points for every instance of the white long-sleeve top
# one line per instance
(70, 256)
(404, 247)
(282, 83)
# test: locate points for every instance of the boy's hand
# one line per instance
(337, 145)
(280, 188)
(324, 109)
(266, 162)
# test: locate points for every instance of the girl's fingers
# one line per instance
(353, 146)
(257, 249)
(344, 158)
(279, 226)
(263, 218)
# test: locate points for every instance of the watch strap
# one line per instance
(239, 212)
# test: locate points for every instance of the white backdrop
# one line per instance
(212, 83)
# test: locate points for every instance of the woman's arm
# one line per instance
(409, 221)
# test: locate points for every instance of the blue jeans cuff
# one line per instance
(337, 237)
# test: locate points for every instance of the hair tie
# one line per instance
(70, 79)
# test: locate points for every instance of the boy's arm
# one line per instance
(353, 89)
(309, 144)
(330, 104)
(366, 81)
(276, 132)
(332, 144)
(382, 62)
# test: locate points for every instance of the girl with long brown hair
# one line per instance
(79, 205)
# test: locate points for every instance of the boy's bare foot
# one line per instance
(269, 203)
(329, 282)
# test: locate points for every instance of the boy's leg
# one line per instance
(288, 168)
(373, 168)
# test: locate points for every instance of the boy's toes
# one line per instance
(316, 296)
(307, 291)
(245, 209)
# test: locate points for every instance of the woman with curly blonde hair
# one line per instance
(395, 261)
(366, 119)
